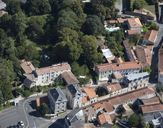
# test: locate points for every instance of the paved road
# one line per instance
(154, 64)
(118, 5)
(11, 116)
(26, 112)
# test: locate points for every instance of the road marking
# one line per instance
(25, 114)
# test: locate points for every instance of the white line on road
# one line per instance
(25, 114)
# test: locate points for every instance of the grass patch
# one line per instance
(151, 8)
(7, 105)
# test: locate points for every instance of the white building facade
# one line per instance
(74, 96)
(58, 100)
(104, 71)
(42, 76)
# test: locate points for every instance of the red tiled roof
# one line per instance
(134, 22)
(154, 100)
(105, 118)
(53, 68)
(131, 96)
(133, 32)
(69, 78)
(84, 100)
(27, 66)
(151, 36)
(144, 54)
(90, 92)
(118, 67)
(152, 108)
(97, 106)
(121, 20)
(114, 87)
(108, 106)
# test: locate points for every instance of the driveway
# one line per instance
(155, 59)
(26, 112)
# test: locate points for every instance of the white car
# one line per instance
(21, 124)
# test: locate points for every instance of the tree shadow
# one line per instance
(60, 123)
(154, 63)
(33, 104)
(35, 114)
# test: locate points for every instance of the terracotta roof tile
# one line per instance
(69, 78)
(114, 87)
(118, 67)
(133, 32)
(27, 66)
(144, 54)
(151, 36)
(54, 68)
(154, 100)
(134, 22)
(97, 106)
(108, 106)
(117, 75)
(121, 20)
(104, 118)
(90, 92)
(151, 108)
(84, 100)
(131, 96)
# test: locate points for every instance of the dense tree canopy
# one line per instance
(63, 30)
(138, 4)
(90, 53)
(6, 76)
(93, 26)
(136, 121)
(37, 7)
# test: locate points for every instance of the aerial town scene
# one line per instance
(81, 63)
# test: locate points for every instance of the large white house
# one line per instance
(136, 79)
(104, 71)
(42, 76)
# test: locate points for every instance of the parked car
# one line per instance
(20, 124)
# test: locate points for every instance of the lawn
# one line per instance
(150, 8)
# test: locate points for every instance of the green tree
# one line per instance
(136, 120)
(93, 26)
(18, 25)
(68, 44)
(115, 126)
(101, 91)
(28, 50)
(7, 76)
(77, 8)
(37, 7)
(5, 23)
(68, 35)
(114, 43)
(153, 26)
(67, 18)
(90, 53)
(13, 6)
(79, 70)
(139, 4)
(44, 109)
(35, 29)
(103, 8)
(70, 51)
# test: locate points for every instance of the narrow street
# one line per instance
(26, 112)
(154, 63)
